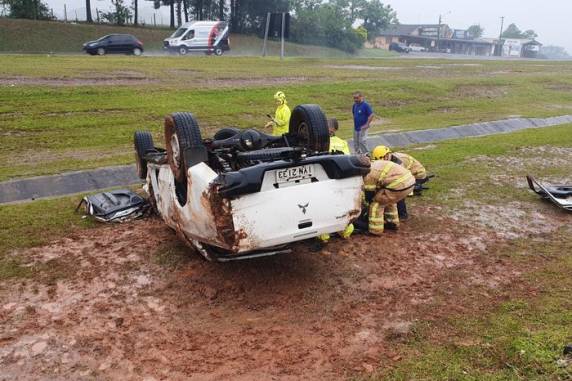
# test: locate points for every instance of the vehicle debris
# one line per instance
(561, 195)
(115, 206)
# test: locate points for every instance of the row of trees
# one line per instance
(512, 31)
(27, 9)
(327, 22)
(332, 22)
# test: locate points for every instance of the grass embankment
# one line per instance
(522, 339)
(27, 36)
(67, 113)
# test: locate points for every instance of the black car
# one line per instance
(114, 44)
(399, 47)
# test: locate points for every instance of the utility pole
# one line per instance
(266, 34)
(500, 35)
(282, 41)
(439, 35)
(65, 13)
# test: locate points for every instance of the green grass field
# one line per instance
(61, 113)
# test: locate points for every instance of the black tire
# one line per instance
(218, 51)
(101, 51)
(226, 133)
(183, 51)
(137, 52)
(143, 142)
(181, 131)
(309, 126)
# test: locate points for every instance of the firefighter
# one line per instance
(281, 120)
(337, 145)
(413, 165)
(385, 185)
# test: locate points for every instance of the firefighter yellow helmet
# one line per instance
(280, 96)
(379, 152)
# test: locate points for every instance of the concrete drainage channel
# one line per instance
(91, 180)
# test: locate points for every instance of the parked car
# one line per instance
(114, 44)
(199, 36)
(244, 193)
(417, 48)
(399, 47)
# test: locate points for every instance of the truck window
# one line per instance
(190, 35)
(179, 32)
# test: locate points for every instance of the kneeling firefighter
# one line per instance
(281, 120)
(409, 162)
(385, 185)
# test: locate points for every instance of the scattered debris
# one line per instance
(115, 206)
(560, 195)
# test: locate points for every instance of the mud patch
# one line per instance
(58, 82)
(249, 82)
(364, 67)
(559, 86)
(484, 91)
(511, 220)
(118, 314)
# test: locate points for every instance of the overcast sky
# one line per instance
(549, 18)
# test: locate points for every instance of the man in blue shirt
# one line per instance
(363, 115)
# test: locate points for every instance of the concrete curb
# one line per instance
(401, 139)
(67, 183)
(102, 178)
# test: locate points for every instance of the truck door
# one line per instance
(188, 38)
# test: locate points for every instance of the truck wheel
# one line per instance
(100, 51)
(183, 51)
(181, 131)
(137, 51)
(143, 142)
(225, 133)
(309, 126)
(218, 51)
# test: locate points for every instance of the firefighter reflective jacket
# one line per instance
(409, 162)
(281, 120)
(387, 175)
(338, 144)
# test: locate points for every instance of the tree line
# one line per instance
(343, 24)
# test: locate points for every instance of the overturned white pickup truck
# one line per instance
(245, 194)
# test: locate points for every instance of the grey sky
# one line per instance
(550, 18)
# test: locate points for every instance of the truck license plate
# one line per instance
(294, 173)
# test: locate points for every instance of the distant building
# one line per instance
(520, 47)
(425, 35)
(441, 38)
